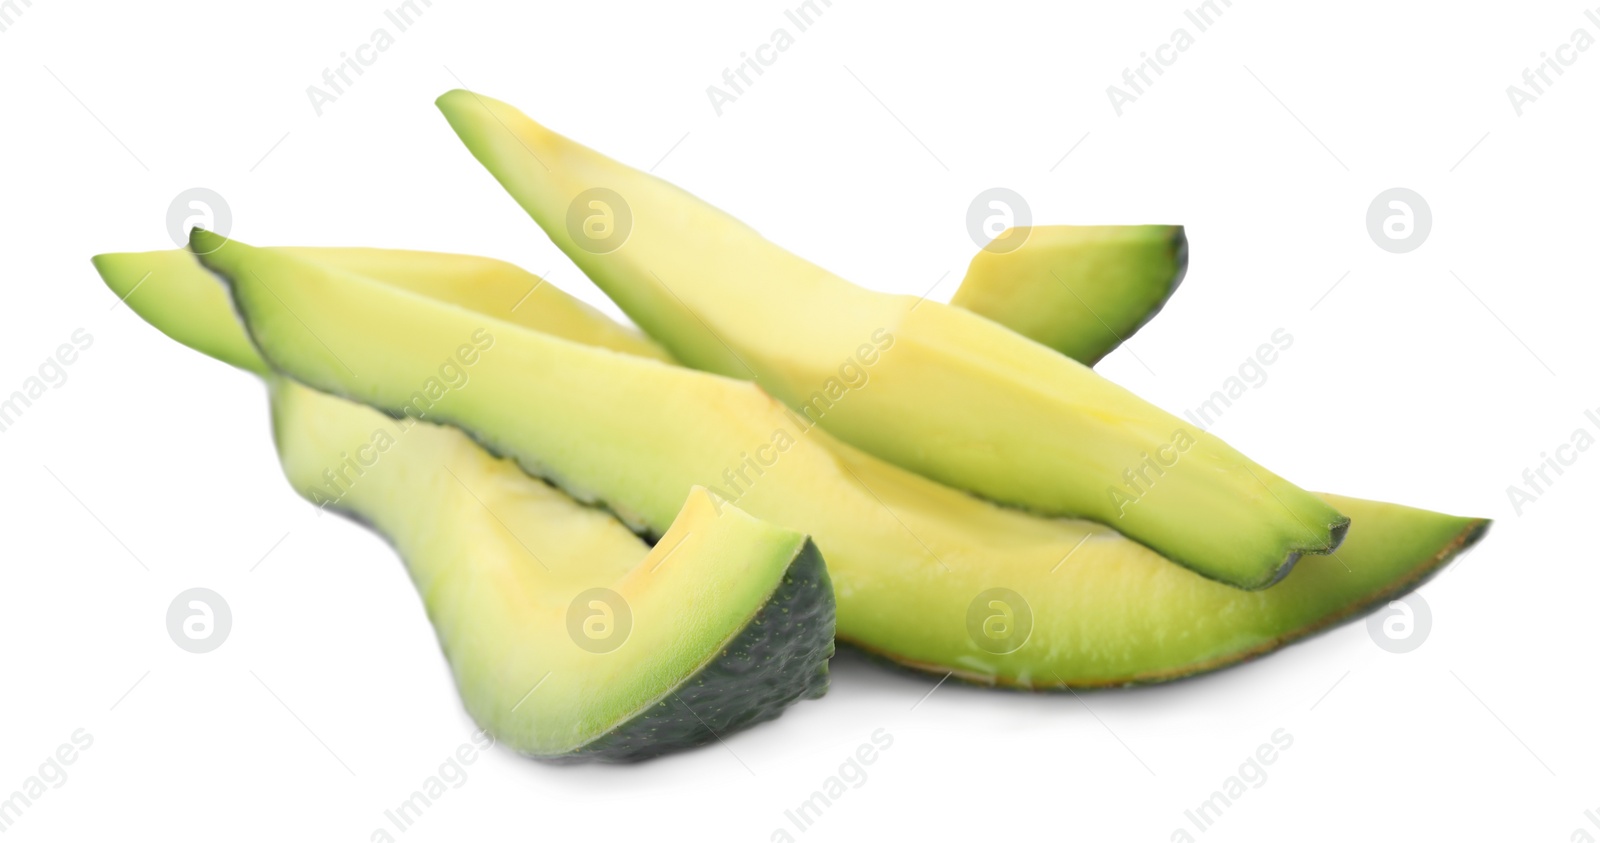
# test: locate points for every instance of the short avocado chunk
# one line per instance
(569, 638)
(932, 388)
(921, 572)
(1082, 290)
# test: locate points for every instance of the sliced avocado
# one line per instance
(923, 574)
(568, 636)
(932, 388)
(499, 289)
(1079, 289)
(171, 291)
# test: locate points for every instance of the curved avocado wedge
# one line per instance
(1082, 290)
(923, 574)
(929, 387)
(569, 638)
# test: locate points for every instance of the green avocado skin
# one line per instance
(761, 673)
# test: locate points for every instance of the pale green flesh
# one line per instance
(171, 291)
(1081, 290)
(908, 557)
(923, 385)
(172, 279)
(499, 558)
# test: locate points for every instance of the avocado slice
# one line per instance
(1079, 289)
(923, 574)
(932, 388)
(171, 278)
(490, 286)
(570, 638)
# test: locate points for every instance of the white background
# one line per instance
(860, 148)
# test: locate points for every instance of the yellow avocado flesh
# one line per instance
(929, 387)
(494, 287)
(1081, 290)
(914, 564)
(501, 559)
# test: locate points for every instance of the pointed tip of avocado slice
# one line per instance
(203, 242)
(1403, 550)
(451, 96)
(1460, 535)
(459, 104)
(169, 290)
